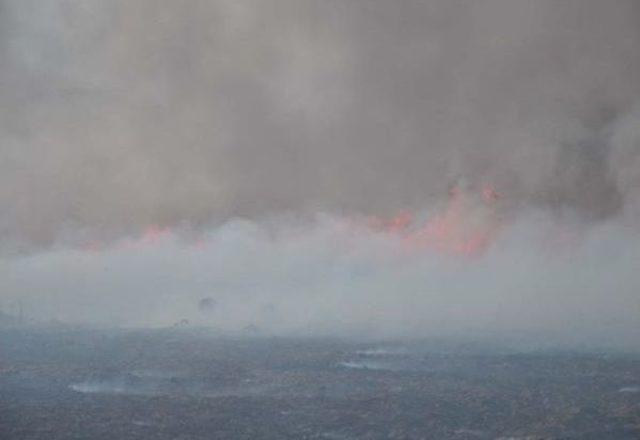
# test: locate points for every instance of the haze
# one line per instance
(154, 153)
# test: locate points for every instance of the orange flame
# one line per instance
(466, 226)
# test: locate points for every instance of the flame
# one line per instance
(395, 225)
(151, 235)
(154, 234)
(466, 226)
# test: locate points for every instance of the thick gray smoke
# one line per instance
(118, 115)
(124, 115)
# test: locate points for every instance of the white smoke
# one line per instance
(336, 276)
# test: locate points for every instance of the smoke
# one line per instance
(333, 276)
(118, 116)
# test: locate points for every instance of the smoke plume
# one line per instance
(238, 124)
(120, 115)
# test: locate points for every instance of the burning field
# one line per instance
(319, 219)
(471, 265)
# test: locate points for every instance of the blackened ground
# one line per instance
(193, 384)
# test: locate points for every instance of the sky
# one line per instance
(156, 152)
